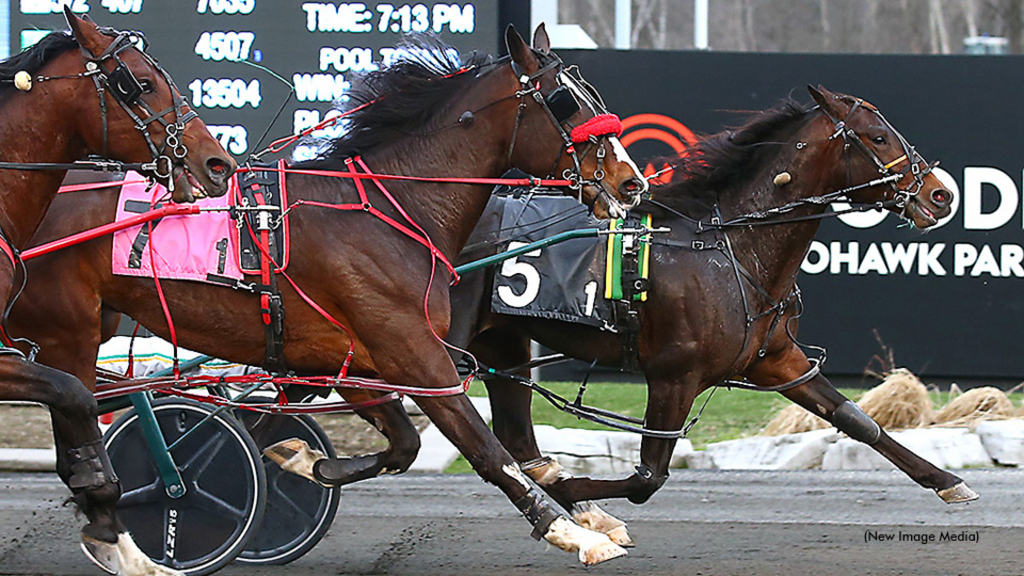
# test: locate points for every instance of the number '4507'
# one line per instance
(225, 6)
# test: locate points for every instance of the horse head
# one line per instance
(142, 117)
(910, 189)
(570, 130)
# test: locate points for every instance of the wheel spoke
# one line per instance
(206, 452)
(218, 506)
(283, 500)
(146, 494)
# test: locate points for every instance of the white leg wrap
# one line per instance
(589, 515)
(295, 456)
(134, 563)
(593, 547)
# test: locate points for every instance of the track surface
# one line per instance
(701, 523)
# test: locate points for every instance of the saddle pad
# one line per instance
(560, 282)
(182, 247)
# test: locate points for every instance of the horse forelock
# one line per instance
(713, 165)
(405, 96)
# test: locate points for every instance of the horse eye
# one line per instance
(147, 86)
(878, 140)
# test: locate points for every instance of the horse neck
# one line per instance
(38, 126)
(773, 254)
(449, 212)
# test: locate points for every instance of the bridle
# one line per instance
(126, 90)
(916, 165)
(559, 106)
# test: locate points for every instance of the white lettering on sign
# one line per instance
(975, 181)
(513, 267)
(347, 17)
(320, 87)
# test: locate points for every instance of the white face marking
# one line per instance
(622, 156)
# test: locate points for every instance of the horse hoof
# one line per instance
(959, 492)
(295, 456)
(602, 552)
(590, 516)
(134, 562)
(621, 537)
(102, 554)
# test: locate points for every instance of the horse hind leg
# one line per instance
(390, 419)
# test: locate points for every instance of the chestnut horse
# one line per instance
(726, 307)
(91, 92)
(430, 115)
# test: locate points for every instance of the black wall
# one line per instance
(963, 110)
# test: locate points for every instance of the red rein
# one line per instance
(601, 125)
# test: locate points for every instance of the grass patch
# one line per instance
(730, 414)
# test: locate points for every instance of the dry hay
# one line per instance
(973, 406)
(900, 401)
(793, 419)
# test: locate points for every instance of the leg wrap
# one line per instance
(849, 418)
(90, 467)
(544, 470)
(649, 484)
(537, 512)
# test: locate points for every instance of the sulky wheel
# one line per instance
(299, 512)
(224, 478)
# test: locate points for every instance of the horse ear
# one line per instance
(826, 100)
(540, 39)
(521, 54)
(84, 30)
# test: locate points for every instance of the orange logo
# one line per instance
(660, 128)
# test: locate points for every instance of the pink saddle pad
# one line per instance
(179, 247)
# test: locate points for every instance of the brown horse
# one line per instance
(724, 308)
(430, 115)
(92, 92)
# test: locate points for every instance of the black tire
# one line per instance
(299, 512)
(225, 480)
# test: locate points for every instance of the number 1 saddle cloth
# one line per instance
(205, 247)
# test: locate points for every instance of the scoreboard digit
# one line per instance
(236, 61)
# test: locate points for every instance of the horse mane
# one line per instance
(718, 162)
(406, 96)
(32, 59)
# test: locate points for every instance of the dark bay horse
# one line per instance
(711, 316)
(90, 92)
(431, 115)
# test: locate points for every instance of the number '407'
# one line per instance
(122, 6)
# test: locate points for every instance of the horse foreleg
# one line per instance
(82, 461)
(390, 419)
(513, 425)
(819, 397)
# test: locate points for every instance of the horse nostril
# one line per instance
(219, 168)
(940, 197)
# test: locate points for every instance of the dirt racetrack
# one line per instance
(702, 523)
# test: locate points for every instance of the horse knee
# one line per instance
(71, 397)
(645, 484)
